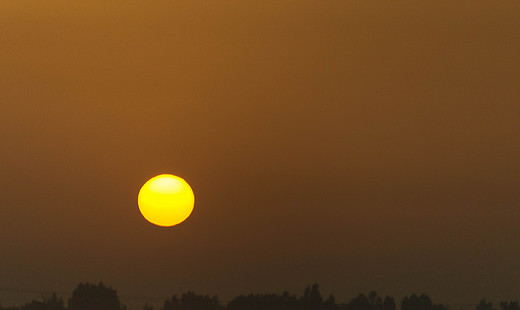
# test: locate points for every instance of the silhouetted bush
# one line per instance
(51, 303)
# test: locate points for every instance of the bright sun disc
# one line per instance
(166, 200)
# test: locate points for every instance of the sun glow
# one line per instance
(166, 200)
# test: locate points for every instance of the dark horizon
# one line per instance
(104, 297)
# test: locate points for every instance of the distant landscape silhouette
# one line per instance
(88, 296)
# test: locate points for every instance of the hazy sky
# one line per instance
(358, 144)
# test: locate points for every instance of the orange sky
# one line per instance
(359, 144)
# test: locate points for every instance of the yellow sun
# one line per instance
(166, 200)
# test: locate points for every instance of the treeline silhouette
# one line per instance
(88, 296)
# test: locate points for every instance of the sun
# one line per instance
(166, 200)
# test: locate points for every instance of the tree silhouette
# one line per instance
(415, 302)
(90, 296)
(422, 302)
(329, 303)
(147, 307)
(371, 302)
(512, 305)
(372, 297)
(484, 305)
(361, 302)
(265, 302)
(51, 303)
(389, 303)
(192, 301)
(311, 297)
(172, 303)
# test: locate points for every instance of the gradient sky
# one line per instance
(358, 144)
